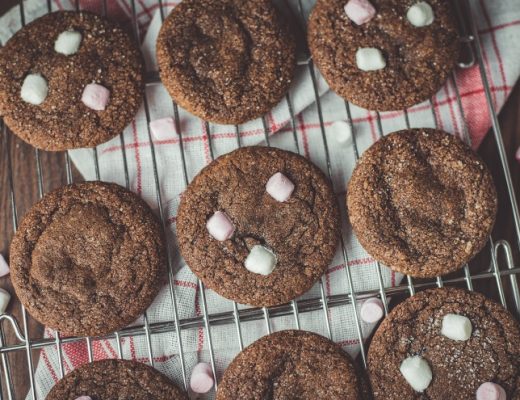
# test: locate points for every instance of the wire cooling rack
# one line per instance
(502, 270)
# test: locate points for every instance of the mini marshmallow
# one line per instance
(68, 43)
(370, 59)
(420, 14)
(360, 11)
(491, 391)
(517, 155)
(84, 398)
(34, 89)
(220, 226)
(201, 380)
(279, 187)
(456, 327)
(5, 297)
(342, 132)
(4, 268)
(95, 96)
(372, 310)
(260, 260)
(417, 373)
(163, 128)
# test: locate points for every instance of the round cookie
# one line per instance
(88, 259)
(422, 202)
(291, 365)
(116, 379)
(226, 61)
(413, 328)
(107, 56)
(418, 59)
(302, 232)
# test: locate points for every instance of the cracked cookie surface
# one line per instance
(226, 61)
(422, 202)
(492, 354)
(418, 60)
(303, 231)
(107, 55)
(291, 365)
(116, 379)
(88, 259)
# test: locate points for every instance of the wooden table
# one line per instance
(53, 168)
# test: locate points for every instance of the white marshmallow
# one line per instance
(417, 373)
(5, 297)
(456, 327)
(4, 267)
(220, 226)
(201, 380)
(279, 187)
(370, 59)
(34, 89)
(372, 310)
(260, 260)
(420, 14)
(68, 42)
(360, 11)
(95, 97)
(163, 128)
(491, 391)
(342, 132)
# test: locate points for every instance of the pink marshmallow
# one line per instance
(360, 11)
(372, 310)
(491, 391)
(279, 187)
(220, 226)
(163, 128)
(517, 155)
(4, 268)
(95, 96)
(201, 380)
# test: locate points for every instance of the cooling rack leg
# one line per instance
(508, 254)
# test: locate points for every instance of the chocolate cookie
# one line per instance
(411, 62)
(422, 202)
(226, 61)
(116, 379)
(246, 244)
(88, 259)
(417, 328)
(46, 74)
(291, 365)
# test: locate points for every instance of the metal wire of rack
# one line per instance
(498, 249)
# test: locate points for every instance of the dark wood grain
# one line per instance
(53, 169)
